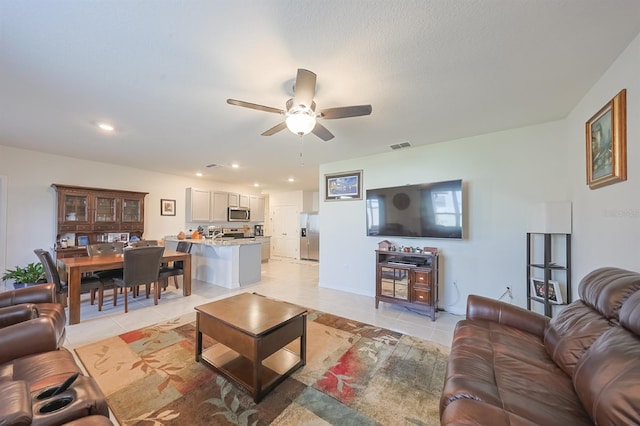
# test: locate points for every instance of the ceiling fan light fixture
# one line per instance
(301, 121)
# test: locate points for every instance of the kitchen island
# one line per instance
(229, 264)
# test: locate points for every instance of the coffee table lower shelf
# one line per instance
(239, 369)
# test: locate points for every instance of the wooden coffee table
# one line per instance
(251, 332)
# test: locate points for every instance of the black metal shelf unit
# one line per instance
(549, 268)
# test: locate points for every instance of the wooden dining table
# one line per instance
(76, 266)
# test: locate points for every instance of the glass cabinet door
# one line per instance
(105, 209)
(131, 210)
(394, 282)
(75, 208)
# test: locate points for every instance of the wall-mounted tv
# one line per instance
(427, 210)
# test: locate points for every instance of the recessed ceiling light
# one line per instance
(235, 165)
(256, 184)
(106, 127)
(199, 174)
(291, 179)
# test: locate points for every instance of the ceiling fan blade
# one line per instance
(275, 129)
(305, 88)
(345, 112)
(320, 131)
(254, 106)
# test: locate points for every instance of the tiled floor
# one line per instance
(284, 279)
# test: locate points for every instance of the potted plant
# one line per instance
(31, 274)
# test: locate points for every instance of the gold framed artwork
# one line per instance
(606, 137)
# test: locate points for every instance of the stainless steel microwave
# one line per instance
(239, 214)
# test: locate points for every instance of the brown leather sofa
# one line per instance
(33, 361)
(511, 366)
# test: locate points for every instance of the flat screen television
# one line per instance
(426, 210)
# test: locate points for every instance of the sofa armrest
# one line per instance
(41, 293)
(484, 308)
(11, 315)
(27, 338)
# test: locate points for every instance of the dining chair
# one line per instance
(87, 283)
(105, 249)
(141, 267)
(167, 271)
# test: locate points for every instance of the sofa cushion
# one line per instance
(606, 289)
(495, 364)
(574, 329)
(41, 370)
(571, 332)
(15, 409)
(607, 378)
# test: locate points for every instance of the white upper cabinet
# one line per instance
(238, 200)
(256, 204)
(219, 204)
(198, 205)
(212, 206)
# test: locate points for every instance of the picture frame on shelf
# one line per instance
(343, 186)
(606, 143)
(555, 290)
(167, 207)
(83, 240)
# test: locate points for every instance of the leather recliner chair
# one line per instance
(42, 303)
(33, 361)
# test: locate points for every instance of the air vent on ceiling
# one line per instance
(400, 145)
(212, 165)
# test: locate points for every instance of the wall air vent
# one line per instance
(400, 145)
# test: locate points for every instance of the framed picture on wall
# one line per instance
(343, 186)
(167, 207)
(606, 139)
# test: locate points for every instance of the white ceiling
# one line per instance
(161, 71)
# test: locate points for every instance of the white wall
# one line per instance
(31, 215)
(607, 220)
(504, 175)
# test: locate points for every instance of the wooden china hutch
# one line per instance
(90, 215)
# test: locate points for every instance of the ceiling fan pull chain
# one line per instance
(301, 158)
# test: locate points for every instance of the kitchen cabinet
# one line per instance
(257, 207)
(92, 212)
(238, 200)
(265, 249)
(219, 205)
(198, 205)
(206, 206)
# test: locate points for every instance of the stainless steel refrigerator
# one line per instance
(309, 236)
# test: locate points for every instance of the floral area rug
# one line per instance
(356, 374)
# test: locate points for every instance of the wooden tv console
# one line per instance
(408, 279)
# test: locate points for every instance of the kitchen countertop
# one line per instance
(218, 242)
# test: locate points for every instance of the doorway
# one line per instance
(284, 236)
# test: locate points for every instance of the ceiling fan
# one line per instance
(300, 114)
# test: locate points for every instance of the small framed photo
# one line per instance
(167, 207)
(606, 134)
(83, 240)
(555, 290)
(343, 186)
